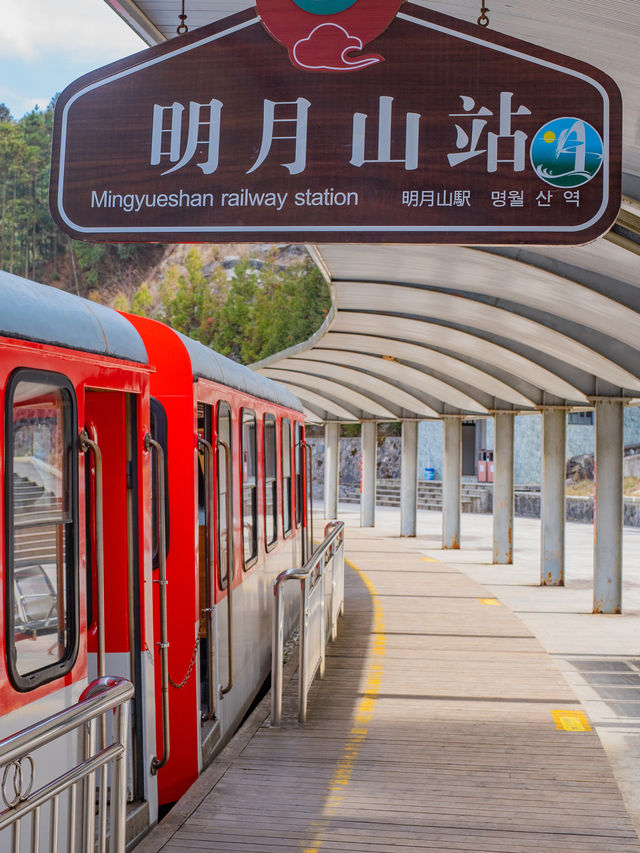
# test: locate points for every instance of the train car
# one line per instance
(152, 491)
(74, 386)
(231, 446)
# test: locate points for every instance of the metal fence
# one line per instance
(321, 602)
(68, 813)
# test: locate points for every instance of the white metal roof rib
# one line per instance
(421, 331)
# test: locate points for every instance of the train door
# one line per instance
(215, 556)
(224, 551)
(113, 589)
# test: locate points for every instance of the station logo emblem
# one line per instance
(328, 35)
(566, 152)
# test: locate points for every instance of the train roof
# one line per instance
(207, 364)
(36, 312)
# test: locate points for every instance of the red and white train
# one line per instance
(121, 435)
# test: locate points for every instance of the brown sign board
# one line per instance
(450, 134)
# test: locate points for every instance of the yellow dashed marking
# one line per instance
(490, 601)
(428, 559)
(571, 721)
(345, 765)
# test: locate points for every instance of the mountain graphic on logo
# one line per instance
(328, 35)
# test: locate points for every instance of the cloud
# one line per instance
(20, 103)
(327, 48)
(78, 29)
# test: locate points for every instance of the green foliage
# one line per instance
(350, 430)
(259, 311)
(30, 243)
(90, 257)
(189, 304)
(121, 302)
(142, 301)
(27, 233)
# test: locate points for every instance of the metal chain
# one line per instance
(190, 667)
(182, 27)
(483, 20)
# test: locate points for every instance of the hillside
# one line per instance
(246, 301)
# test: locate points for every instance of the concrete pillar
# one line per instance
(331, 467)
(552, 512)
(409, 479)
(608, 508)
(451, 477)
(503, 489)
(369, 466)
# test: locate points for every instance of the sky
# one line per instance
(46, 44)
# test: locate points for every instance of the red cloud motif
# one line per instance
(318, 42)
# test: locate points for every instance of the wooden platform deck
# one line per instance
(434, 729)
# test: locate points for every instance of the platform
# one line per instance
(448, 719)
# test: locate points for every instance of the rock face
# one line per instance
(388, 463)
(580, 468)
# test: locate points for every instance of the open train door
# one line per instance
(215, 557)
(115, 566)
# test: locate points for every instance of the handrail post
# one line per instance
(323, 630)
(277, 655)
(89, 787)
(119, 815)
(304, 639)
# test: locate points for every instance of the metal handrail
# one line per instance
(88, 444)
(310, 575)
(163, 645)
(101, 696)
(209, 610)
(230, 572)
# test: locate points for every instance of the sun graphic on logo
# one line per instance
(549, 136)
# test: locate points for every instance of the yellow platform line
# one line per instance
(345, 765)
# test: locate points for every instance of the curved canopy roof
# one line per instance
(425, 331)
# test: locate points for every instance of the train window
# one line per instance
(41, 547)
(249, 488)
(159, 432)
(286, 475)
(270, 482)
(299, 465)
(225, 497)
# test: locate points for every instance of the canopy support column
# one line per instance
(331, 465)
(409, 479)
(608, 508)
(503, 489)
(369, 464)
(451, 487)
(554, 431)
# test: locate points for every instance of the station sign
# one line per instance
(336, 122)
